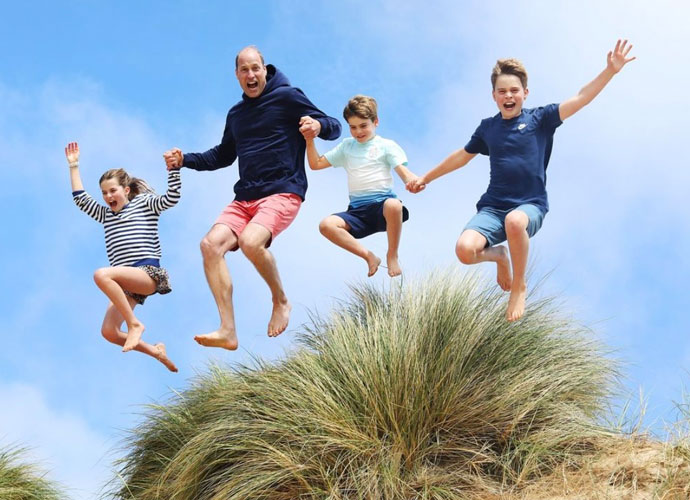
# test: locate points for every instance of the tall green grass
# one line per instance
(419, 392)
(22, 481)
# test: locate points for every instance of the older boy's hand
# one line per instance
(309, 127)
(415, 185)
(616, 59)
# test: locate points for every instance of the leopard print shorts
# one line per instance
(160, 276)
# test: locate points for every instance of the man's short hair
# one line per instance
(509, 67)
(361, 106)
(253, 47)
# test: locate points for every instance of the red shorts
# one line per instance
(275, 213)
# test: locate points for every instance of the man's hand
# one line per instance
(415, 185)
(309, 127)
(72, 153)
(173, 158)
(616, 59)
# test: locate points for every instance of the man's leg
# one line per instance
(393, 213)
(471, 249)
(337, 231)
(253, 241)
(518, 242)
(217, 242)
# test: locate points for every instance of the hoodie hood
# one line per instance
(274, 79)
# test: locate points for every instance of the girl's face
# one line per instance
(114, 195)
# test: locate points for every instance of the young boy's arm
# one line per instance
(615, 60)
(454, 161)
(405, 174)
(316, 162)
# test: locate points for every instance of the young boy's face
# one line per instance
(509, 95)
(362, 129)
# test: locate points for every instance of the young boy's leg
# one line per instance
(111, 331)
(336, 230)
(520, 225)
(113, 281)
(479, 243)
(393, 213)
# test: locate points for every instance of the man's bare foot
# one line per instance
(133, 337)
(516, 303)
(219, 338)
(279, 319)
(393, 266)
(162, 356)
(373, 262)
(504, 275)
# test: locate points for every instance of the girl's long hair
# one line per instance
(136, 186)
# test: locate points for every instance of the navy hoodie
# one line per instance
(263, 132)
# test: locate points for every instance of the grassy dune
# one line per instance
(420, 392)
(22, 481)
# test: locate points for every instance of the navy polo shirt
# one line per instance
(519, 150)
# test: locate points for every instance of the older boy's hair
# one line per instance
(361, 106)
(509, 67)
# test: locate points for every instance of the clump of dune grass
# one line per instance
(418, 392)
(23, 481)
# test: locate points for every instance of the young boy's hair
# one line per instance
(361, 106)
(136, 186)
(509, 67)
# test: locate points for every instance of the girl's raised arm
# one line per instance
(72, 154)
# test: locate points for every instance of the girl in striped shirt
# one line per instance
(130, 221)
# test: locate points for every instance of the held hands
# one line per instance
(415, 185)
(616, 59)
(173, 159)
(309, 128)
(72, 154)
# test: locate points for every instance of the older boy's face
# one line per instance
(362, 129)
(251, 73)
(509, 95)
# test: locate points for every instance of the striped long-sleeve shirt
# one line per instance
(131, 234)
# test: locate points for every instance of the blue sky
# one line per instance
(130, 80)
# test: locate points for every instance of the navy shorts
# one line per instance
(490, 222)
(368, 219)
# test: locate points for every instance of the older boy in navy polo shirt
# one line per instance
(518, 142)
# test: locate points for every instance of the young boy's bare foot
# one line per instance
(393, 266)
(133, 337)
(162, 356)
(279, 319)
(219, 338)
(504, 275)
(516, 303)
(373, 262)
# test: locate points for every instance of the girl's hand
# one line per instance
(72, 154)
(617, 58)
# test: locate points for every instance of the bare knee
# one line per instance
(101, 275)
(109, 333)
(392, 207)
(210, 249)
(516, 223)
(250, 247)
(465, 252)
(326, 227)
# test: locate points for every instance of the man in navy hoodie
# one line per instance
(266, 131)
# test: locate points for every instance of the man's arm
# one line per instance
(454, 161)
(316, 162)
(615, 60)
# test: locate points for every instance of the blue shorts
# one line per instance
(490, 222)
(367, 219)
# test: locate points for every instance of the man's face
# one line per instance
(251, 73)
(509, 95)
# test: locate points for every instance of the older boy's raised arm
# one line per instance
(316, 162)
(454, 161)
(615, 60)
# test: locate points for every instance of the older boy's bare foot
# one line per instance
(393, 266)
(133, 337)
(516, 303)
(504, 275)
(373, 262)
(219, 338)
(279, 319)
(162, 356)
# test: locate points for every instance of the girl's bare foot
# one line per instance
(162, 356)
(516, 303)
(393, 266)
(279, 319)
(504, 275)
(219, 338)
(133, 336)
(373, 262)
